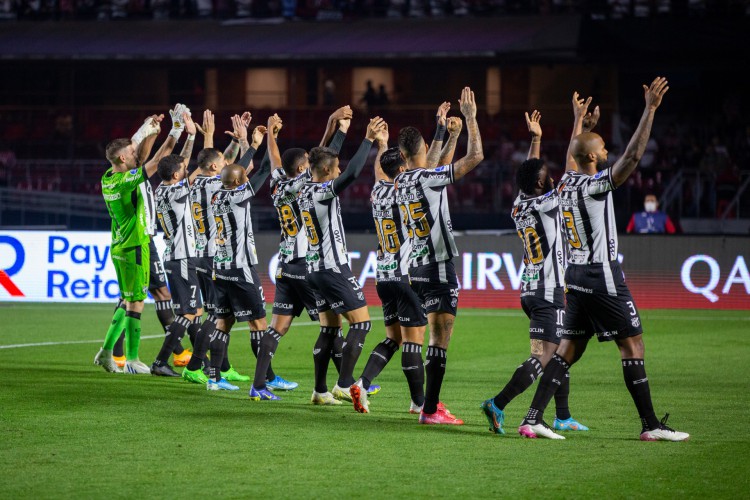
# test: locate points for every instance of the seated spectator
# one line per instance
(651, 220)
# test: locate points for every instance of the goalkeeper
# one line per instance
(124, 191)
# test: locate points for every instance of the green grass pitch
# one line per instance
(70, 430)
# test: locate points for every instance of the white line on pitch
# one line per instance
(378, 318)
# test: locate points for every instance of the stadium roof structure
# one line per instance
(551, 38)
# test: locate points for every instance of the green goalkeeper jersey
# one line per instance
(124, 194)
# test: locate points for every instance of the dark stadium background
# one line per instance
(78, 74)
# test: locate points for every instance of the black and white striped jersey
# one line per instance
(321, 214)
(173, 212)
(235, 242)
(588, 217)
(393, 241)
(204, 188)
(538, 224)
(423, 201)
(284, 192)
(148, 204)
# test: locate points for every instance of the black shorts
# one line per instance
(545, 316)
(239, 293)
(436, 285)
(158, 277)
(337, 291)
(598, 300)
(293, 291)
(183, 285)
(204, 268)
(400, 302)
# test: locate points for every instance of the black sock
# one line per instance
(119, 349)
(166, 317)
(554, 374)
(322, 356)
(522, 378)
(379, 357)
(225, 365)
(193, 330)
(337, 350)
(413, 367)
(353, 344)
(434, 368)
(636, 381)
(255, 339)
(562, 411)
(218, 345)
(173, 336)
(268, 346)
(201, 344)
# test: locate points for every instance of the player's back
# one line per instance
(588, 217)
(123, 193)
(284, 192)
(203, 189)
(538, 225)
(393, 238)
(321, 213)
(423, 201)
(173, 212)
(235, 242)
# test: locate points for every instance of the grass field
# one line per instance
(68, 429)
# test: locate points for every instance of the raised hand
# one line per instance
(190, 127)
(178, 120)
(246, 118)
(655, 92)
(343, 113)
(257, 136)
(374, 127)
(382, 136)
(590, 120)
(455, 125)
(442, 113)
(274, 124)
(239, 130)
(580, 106)
(468, 104)
(532, 122)
(209, 126)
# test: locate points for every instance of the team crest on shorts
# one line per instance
(636, 322)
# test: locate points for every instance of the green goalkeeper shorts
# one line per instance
(132, 267)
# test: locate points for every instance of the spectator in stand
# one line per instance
(370, 97)
(651, 220)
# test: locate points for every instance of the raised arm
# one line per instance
(625, 165)
(340, 135)
(474, 153)
(274, 126)
(333, 124)
(145, 137)
(207, 129)
(579, 111)
(263, 172)
(357, 163)
(455, 124)
(535, 129)
(247, 158)
(441, 118)
(382, 140)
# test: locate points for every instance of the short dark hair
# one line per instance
(410, 141)
(291, 159)
(168, 166)
(528, 175)
(207, 156)
(391, 161)
(114, 148)
(321, 157)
